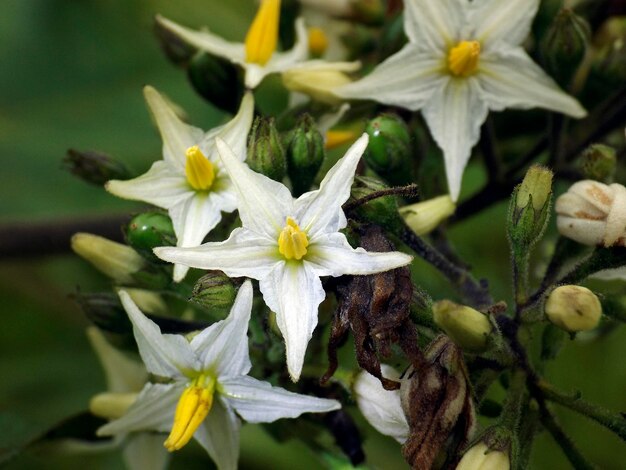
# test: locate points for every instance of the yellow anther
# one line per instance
(262, 36)
(194, 405)
(318, 42)
(463, 58)
(199, 170)
(292, 241)
(336, 138)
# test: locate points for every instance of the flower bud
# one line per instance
(370, 12)
(467, 327)
(215, 290)
(529, 208)
(148, 230)
(599, 162)
(305, 154)
(217, 80)
(265, 151)
(95, 167)
(111, 405)
(423, 217)
(608, 67)
(117, 261)
(389, 150)
(565, 45)
(573, 308)
(479, 457)
(593, 213)
(382, 210)
(318, 79)
(330, 7)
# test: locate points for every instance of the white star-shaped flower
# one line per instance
(208, 388)
(190, 181)
(287, 244)
(257, 55)
(463, 58)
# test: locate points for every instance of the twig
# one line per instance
(406, 191)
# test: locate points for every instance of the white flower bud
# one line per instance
(573, 308)
(467, 327)
(423, 217)
(117, 261)
(593, 213)
(381, 408)
(479, 457)
(318, 79)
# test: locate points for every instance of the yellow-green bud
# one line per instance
(423, 217)
(95, 167)
(389, 151)
(215, 290)
(111, 405)
(599, 162)
(573, 308)
(467, 327)
(117, 261)
(217, 80)
(479, 457)
(265, 152)
(537, 185)
(305, 154)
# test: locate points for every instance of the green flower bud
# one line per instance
(480, 457)
(117, 261)
(148, 230)
(423, 217)
(529, 208)
(265, 152)
(599, 163)
(608, 66)
(175, 49)
(573, 308)
(217, 80)
(467, 327)
(305, 154)
(565, 45)
(382, 210)
(389, 150)
(95, 167)
(215, 291)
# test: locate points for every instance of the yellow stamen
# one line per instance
(292, 241)
(336, 138)
(199, 170)
(262, 36)
(463, 58)
(318, 42)
(194, 405)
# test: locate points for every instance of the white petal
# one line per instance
(219, 435)
(329, 120)
(152, 411)
(223, 346)
(193, 220)
(245, 253)
(406, 79)
(433, 25)
(294, 291)
(235, 132)
(177, 136)
(454, 116)
(162, 185)
(509, 78)
(585, 231)
(264, 204)
(332, 255)
(207, 41)
(381, 407)
(494, 21)
(320, 211)
(258, 402)
(163, 355)
(145, 451)
(617, 274)
(123, 374)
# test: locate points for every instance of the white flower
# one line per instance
(257, 56)
(593, 213)
(381, 408)
(125, 378)
(190, 181)
(209, 381)
(463, 58)
(287, 244)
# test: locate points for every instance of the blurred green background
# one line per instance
(71, 76)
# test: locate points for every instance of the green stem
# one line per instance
(600, 415)
(577, 460)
